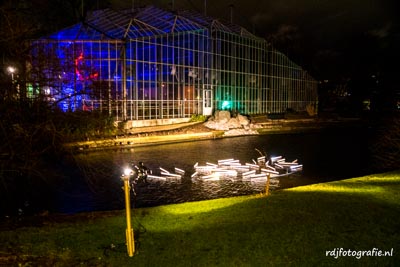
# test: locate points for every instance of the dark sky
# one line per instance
(334, 39)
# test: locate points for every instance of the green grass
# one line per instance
(293, 227)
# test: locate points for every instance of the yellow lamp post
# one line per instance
(130, 243)
(267, 185)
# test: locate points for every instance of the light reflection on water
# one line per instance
(326, 156)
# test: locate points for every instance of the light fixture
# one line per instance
(11, 70)
(128, 172)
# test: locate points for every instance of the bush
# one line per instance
(83, 125)
(198, 118)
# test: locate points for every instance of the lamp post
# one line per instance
(11, 70)
(128, 173)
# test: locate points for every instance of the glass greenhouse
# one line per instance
(150, 64)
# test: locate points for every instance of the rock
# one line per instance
(238, 132)
(210, 124)
(222, 116)
(233, 123)
(216, 125)
(243, 120)
(222, 120)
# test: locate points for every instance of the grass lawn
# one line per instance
(292, 227)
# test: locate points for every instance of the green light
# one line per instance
(29, 90)
(226, 105)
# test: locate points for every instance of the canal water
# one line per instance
(326, 156)
(95, 184)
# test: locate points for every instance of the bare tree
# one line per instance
(31, 131)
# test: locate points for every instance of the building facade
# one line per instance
(150, 64)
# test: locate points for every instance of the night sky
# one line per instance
(341, 41)
(332, 39)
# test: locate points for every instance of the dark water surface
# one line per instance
(96, 185)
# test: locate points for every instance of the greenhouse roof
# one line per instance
(143, 22)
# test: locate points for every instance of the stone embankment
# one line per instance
(221, 125)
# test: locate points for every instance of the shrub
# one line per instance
(198, 118)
